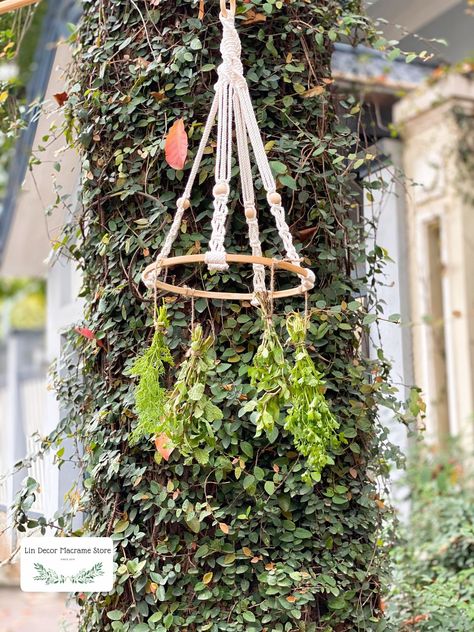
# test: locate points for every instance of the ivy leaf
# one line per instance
(278, 168)
(369, 319)
(61, 98)
(269, 487)
(115, 615)
(89, 334)
(121, 526)
(176, 145)
(194, 524)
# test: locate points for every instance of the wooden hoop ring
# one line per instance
(233, 7)
(13, 5)
(231, 258)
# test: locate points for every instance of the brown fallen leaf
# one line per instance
(253, 17)
(224, 527)
(201, 9)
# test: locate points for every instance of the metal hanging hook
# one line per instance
(224, 9)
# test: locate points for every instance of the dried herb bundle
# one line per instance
(150, 396)
(269, 376)
(309, 418)
(191, 419)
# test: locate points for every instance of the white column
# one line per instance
(388, 213)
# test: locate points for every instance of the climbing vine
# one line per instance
(239, 540)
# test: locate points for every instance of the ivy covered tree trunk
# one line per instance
(242, 543)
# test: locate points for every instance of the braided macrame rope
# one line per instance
(232, 106)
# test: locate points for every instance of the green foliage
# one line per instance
(241, 543)
(191, 419)
(309, 418)
(269, 377)
(149, 367)
(433, 583)
(19, 34)
(24, 301)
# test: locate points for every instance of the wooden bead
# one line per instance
(184, 202)
(274, 198)
(250, 212)
(221, 188)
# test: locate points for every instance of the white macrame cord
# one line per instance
(233, 109)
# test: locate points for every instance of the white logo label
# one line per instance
(67, 564)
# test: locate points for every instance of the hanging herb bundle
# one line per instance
(150, 396)
(191, 419)
(309, 418)
(268, 375)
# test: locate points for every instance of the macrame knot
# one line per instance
(216, 260)
(231, 69)
(308, 283)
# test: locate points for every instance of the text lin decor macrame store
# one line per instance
(232, 106)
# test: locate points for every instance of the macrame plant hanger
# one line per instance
(232, 107)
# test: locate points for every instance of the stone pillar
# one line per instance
(437, 126)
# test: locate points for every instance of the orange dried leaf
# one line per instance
(176, 145)
(224, 527)
(164, 446)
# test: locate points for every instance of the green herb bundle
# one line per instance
(269, 376)
(309, 418)
(191, 419)
(150, 396)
